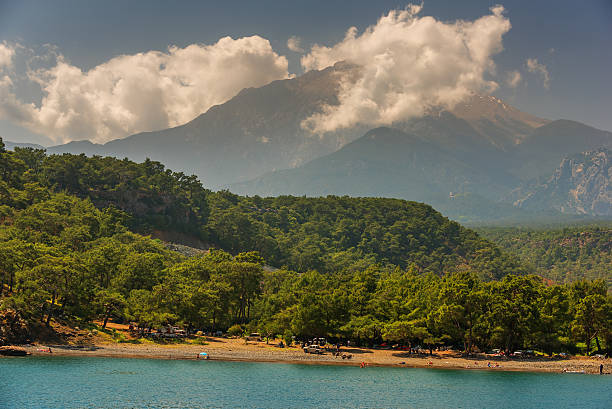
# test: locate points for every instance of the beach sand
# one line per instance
(227, 349)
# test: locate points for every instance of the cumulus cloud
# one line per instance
(534, 66)
(513, 79)
(295, 44)
(141, 92)
(6, 55)
(408, 64)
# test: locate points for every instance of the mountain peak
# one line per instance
(479, 106)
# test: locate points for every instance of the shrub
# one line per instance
(235, 331)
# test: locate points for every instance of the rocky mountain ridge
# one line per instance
(582, 184)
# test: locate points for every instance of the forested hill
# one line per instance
(67, 257)
(564, 255)
(339, 233)
(326, 234)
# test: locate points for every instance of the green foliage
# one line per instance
(369, 270)
(155, 197)
(562, 255)
(235, 330)
(340, 233)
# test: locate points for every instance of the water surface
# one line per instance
(86, 382)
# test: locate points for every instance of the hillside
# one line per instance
(327, 234)
(365, 269)
(563, 255)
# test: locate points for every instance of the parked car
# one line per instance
(313, 349)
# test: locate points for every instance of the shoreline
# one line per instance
(233, 350)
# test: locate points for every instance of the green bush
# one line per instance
(235, 331)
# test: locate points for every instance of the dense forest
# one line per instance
(72, 250)
(327, 234)
(563, 255)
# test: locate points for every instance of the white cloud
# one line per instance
(513, 79)
(408, 64)
(534, 66)
(295, 44)
(6, 55)
(141, 92)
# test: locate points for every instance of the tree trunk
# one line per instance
(588, 343)
(106, 316)
(597, 342)
(50, 312)
(470, 340)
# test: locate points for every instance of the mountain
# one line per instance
(582, 184)
(545, 148)
(259, 130)
(384, 162)
(465, 161)
(495, 123)
(387, 162)
(479, 122)
(255, 132)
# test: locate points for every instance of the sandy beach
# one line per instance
(228, 349)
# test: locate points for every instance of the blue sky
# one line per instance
(571, 39)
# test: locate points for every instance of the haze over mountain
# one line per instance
(257, 131)
(465, 161)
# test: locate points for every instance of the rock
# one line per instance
(13, 351)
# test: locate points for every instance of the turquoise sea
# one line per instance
(85, 382)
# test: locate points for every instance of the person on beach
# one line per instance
(601, 369)
(489, 364)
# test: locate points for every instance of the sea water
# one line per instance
(87, 382)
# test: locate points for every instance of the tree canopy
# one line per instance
(366, 269)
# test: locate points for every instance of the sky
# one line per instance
(72, 70)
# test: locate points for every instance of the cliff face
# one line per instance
(582, 184)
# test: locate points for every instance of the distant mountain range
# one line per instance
(480, 161)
